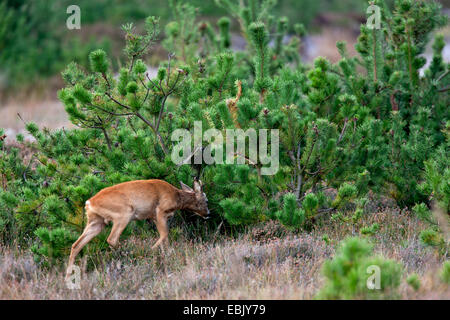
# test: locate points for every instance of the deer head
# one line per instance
(198, 203)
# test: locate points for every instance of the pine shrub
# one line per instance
(347, 273)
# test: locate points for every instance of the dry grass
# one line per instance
(257, 265)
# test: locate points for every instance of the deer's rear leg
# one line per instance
(94, 226)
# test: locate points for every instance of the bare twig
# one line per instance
(443, 75)
(444, 89)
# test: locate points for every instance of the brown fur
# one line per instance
(137, 200)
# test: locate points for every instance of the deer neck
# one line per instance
(187, 200)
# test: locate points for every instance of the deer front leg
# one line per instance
(161, 225)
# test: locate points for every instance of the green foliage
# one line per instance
(54, 245)
(357, 215)
(224, 26)
(34, 42)
(414, 281)
(437, 175)
(290, 215)
(326, 239)
(445, 272)
(347, 273)
(98, 61)
(346, 193)
(236, 212)
(423, 213)
(370, 230)
(430, 237)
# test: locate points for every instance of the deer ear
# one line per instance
(197, 186)
(185, 187)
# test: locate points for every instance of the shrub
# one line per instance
(370, 230)
(346, 193)
(423, 213)
(54, 245)
(430, 237)
(414, 281)
(347, 273)
(445, 272)
(437, 175)
(290, 215)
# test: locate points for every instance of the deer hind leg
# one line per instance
(94, 226)
(161, 225)
(119, 224)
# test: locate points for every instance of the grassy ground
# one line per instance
(266, 262)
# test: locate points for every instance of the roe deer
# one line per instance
(137, 200)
